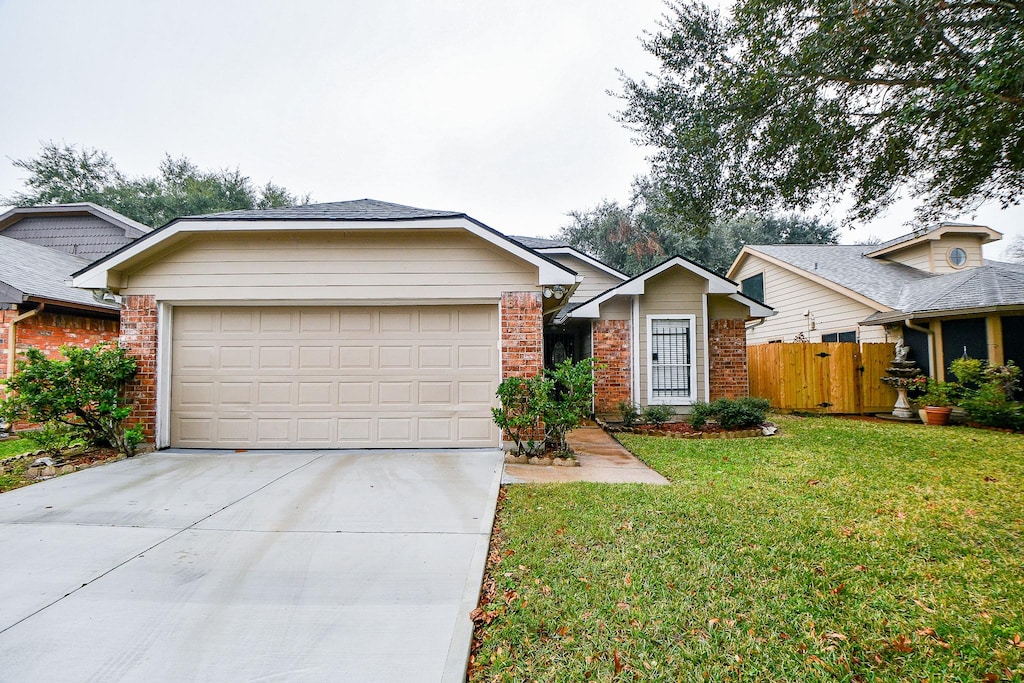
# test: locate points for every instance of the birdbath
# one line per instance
(901, 373)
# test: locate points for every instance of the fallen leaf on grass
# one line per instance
(901, 644)
(628, 581)
(838, 589)
(991, 479)
(813, 482)
(1017, 642)
(835, 636)
(622, 605)
(617, 658)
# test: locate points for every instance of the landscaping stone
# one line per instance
(32, 473)
(49, 471)
(67, 469)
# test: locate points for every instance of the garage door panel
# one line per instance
(334, 377)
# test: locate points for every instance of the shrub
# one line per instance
(988, 398)
(740, 413)
(630, 413)
(86, 392)
(658, 414)
(939, 394)
(53, 437)
(522, 406)
(700, 414)
(570, 400)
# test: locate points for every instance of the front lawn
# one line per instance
(840, 550)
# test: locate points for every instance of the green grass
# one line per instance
(12, 480)
(840, 550)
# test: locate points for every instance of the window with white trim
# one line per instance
(671, 375)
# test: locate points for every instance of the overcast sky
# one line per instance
(499, 110)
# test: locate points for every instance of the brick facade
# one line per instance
(613, 382)
(522, 334)
(727, 341)
(48, 331)
(139, 337)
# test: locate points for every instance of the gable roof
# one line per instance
(354, 210)
(934, 232)
(636, 285)
(28, 271)
(360, 214)
(897, 291)
(991, 287)
(547, 246)
(131, 227)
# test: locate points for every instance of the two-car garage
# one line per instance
(333, 377)
(356, 324)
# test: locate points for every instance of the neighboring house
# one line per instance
(932, 288)
(366, 324)
(40, 247)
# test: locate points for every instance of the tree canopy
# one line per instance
(62, 174)
(792, 104)
(641, 234)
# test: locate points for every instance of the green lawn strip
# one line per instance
(13, 479)
(841, 550)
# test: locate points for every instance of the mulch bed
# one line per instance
(683, 430)
(22, 471)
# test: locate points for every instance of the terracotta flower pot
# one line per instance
(937, 415)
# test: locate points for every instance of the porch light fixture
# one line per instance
(558, 291)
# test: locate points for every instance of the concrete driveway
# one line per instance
(269, 566)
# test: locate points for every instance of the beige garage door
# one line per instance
(388, 377)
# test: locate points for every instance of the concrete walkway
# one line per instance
(602, 459)
(260, 566)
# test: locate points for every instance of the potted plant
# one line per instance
(938, 402)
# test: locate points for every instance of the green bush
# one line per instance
(988, 397)
(630, 413)
(86, 392)
(53, 437)
(740, 413)
(560, 398)
(570, 400)
(522, 407)
(700, 414)
(658, 414)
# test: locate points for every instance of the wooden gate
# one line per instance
(833, 377)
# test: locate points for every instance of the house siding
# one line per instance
(339, 266)
(790, 294)
(595, 280)
(88, 237)
(673, 292)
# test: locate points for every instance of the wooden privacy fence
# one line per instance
(832, 377)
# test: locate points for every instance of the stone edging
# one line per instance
(540, 460)
(49, 471)
(736, 434)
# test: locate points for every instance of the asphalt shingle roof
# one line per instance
(42, 272)
(901, 287)
(538, 242)
(355, 210)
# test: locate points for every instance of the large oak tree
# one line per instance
(798, 104)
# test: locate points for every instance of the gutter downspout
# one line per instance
(930, 333)
(12, 335)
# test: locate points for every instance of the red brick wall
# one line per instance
(522, 337)
(613, 382)
(138, 336)
(727, 339)
(49, 331)
(522, 334)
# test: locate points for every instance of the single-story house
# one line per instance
(40, 247)
(932, 288)
(366, 324)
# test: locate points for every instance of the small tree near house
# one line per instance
(84, 392)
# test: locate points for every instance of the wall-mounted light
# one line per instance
(558, 291)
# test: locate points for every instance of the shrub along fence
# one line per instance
(828, 377)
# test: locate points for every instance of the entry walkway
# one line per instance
(602, 459)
